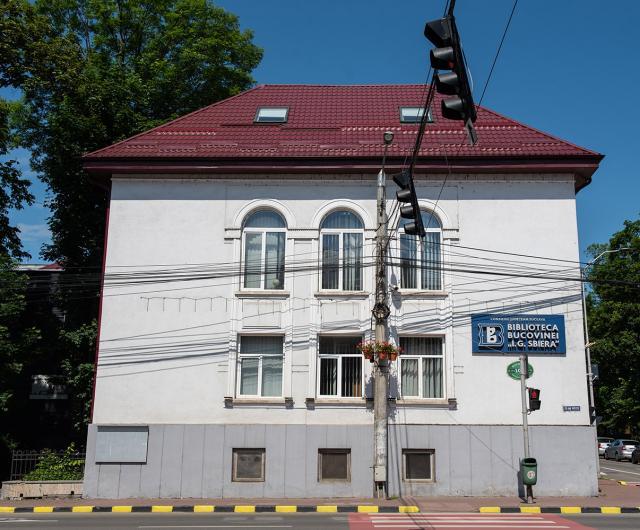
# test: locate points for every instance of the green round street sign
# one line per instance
(513, 370)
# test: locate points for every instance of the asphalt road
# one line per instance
(311, 521)
(623, 470)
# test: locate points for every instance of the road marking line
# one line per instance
(493, 525)
(519, 525)
(620, 471)
(222, 526)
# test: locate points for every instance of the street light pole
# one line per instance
(381, 313)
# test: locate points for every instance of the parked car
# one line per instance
(635, 456)
(603, 443)
(620, 449)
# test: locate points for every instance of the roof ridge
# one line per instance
(179, 118)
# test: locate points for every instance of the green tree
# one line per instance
(614, 329)
(14, 190)
(93, 72)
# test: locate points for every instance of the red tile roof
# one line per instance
(339, 125)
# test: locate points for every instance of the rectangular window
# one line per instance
(330, 261)
(264, 260)
(272, 115)
(342, 261)
(414, 115)
(417, 464)
(248, 465)
(340, 367)
(424, 256)
(422, 367)
(431, 263)
(260, 366)
(352, 271)
(334, 464)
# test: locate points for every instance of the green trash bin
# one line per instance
(529, 471)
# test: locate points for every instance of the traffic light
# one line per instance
(534, 399)
(448, 55)
(411, 210)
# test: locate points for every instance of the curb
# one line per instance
(207, 508)
(560, 509)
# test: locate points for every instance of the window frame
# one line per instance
(407, 357)
(339, 357)
(341, 263)
(234, 464)
(263, 247)
(432, 465)
(339, 450)
(418, 266)
(419, 114)
(285, 119)
(260, 356)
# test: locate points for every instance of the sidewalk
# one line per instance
(613, 496)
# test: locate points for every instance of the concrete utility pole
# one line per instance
(524, 372)
(381, 313)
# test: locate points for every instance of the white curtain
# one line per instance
(352, 272)
(274, 260)
(431, 265)
(330, 260)
(252, 260)
(265, 351)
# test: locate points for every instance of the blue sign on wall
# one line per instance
(542, 334)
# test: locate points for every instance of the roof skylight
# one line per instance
(271, 115)
(414, 115)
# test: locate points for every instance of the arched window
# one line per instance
(421, 258)
(342, 235)
(264, 237)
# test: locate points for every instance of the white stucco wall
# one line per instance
(167, 348)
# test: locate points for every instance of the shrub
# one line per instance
(58, 466)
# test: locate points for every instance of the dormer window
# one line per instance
(272, 115)
(414, 115)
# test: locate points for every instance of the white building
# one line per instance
(239, 278)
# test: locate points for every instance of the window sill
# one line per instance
(423, 294)
(266, 293)
(341, 294)
(449, 404)
(343, 402)
(230, 402)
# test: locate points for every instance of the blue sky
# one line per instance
(567, 67)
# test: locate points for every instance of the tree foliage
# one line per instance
(15, 340)
(614, 329)
(14, 190)
(97, 71)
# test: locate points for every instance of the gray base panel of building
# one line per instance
(195, 461)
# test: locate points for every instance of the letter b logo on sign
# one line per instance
(490, 335)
